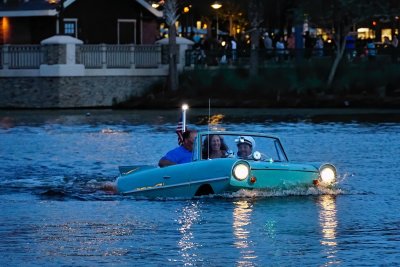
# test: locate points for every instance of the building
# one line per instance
(92, 21)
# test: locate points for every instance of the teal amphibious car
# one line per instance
(267, 167)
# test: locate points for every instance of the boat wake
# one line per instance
(254, 194)
(296, 191)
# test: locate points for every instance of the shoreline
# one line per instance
(324, 101)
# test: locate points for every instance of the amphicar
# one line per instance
(266, 167)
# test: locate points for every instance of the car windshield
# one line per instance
(223, 145)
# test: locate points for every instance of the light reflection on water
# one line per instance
(329, 224)
(241, 219)
(188, 216)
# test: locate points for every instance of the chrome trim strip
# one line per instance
(267, 169)
(176, 185)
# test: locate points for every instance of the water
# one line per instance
(55, 211)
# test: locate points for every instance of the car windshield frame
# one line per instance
(270, 147)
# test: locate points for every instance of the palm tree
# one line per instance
(256, 18)
(171, 16)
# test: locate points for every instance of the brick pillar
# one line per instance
(183, 44)
(60, 57)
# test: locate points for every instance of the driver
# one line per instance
(245, 145)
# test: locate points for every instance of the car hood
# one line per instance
(262, 165)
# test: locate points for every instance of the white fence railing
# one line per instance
(119, 56)
(21, 56)
(100, 56)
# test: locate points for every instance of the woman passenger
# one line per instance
(214, 147)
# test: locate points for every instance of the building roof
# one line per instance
(15, 8)
(155, 12)
(33, 8)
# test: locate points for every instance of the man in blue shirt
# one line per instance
(181, 154)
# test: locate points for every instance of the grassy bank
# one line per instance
(366, 84)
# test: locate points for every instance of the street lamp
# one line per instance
(216, 6)
(59, 4)
(185, 30)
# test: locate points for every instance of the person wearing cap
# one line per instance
(245, 146)
(181, 154)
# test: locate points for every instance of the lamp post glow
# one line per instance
(185, 30)
(184, 108)
(216, 6)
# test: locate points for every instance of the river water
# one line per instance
(54, 166)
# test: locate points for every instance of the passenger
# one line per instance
(214, 147)
(245, 145)
(181, 154)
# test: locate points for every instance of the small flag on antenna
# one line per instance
(179, 131)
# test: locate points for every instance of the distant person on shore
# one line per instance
(350, 47)
(280, 49)
(268, 45)
(291, 45)
(319, 46)
(233, 48)
(395, 47)
(395, 41)
(386, 42)
(371, 49)
(181, 154)
(308, 45)
(214, 147)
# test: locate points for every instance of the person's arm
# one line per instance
(164, 163)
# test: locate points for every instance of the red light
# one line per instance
(374, 23)
(253, 179)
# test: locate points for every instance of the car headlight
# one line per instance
(241, 171)
(327, 174)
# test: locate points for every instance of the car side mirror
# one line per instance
(230, 154)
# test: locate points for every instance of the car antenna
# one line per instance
(209, 113)
(208, 128)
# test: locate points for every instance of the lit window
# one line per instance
(69, 28)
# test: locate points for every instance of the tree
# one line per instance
(341, 16)
(255, 18)
(232, 13)
(171, 16)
